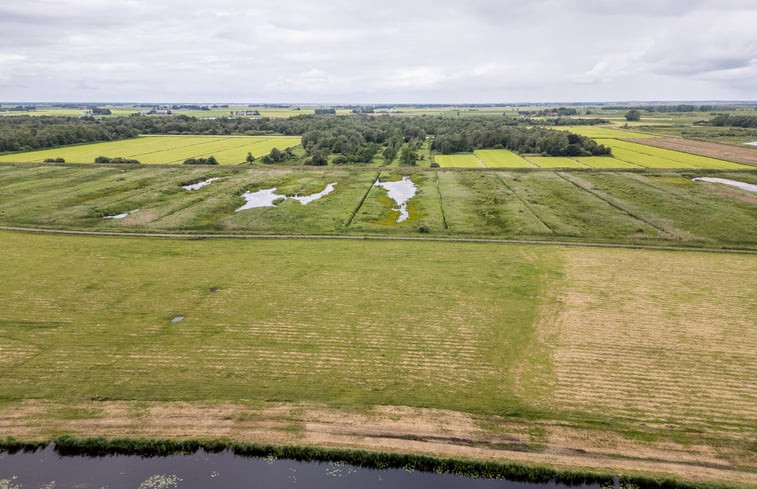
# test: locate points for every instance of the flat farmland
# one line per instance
(662, 207)
(714, 150)
(605, 132)
(555, 162)
(228, 150)
(282, 339)
(655, 157)
(502, 158)
(609, 162)
(462, 160)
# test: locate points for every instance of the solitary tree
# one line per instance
(408, 156)
(633, 115)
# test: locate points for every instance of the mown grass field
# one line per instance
(615, 207)
(462, 160)
(317, 321)
(228, 150)
(626, 154)
(501, 158)
(653, 157)
(552, 347)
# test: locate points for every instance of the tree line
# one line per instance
(354, 138)
(734, 120)
(664, 108)
(26, 133)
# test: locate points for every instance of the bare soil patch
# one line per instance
(747, 156)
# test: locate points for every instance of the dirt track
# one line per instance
(383, 428)
(375, 238)
(747, 156)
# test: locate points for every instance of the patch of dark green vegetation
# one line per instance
(734, 120)
(117, 160)
(201, 161)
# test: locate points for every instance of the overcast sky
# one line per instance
(380, 51)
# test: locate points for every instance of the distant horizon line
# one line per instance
(386, 104)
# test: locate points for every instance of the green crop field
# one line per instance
(461, 160)
(228, 150)
(506, 342)
(604, 132)
(691, 160)
(555, 162)
(501, 158)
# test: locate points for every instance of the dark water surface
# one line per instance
(45, 468)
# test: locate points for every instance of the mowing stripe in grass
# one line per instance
(163, 150)
(232, 148)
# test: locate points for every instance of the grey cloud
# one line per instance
(359, 51)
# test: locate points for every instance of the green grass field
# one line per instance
(513, 335)
(461, 160)
(502, 158)
(622, 207)
(297, 322)
(622, 360)
(228, 150)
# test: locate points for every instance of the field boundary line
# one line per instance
(365, 196)
(617, 206)
(525, 204)
(668, 191)
(188, 236)
(532, 162)
(583, 165)
(441, 202)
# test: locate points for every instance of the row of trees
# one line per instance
(519, 139)
(352, 138)
(559, 111)
(26, 133)
(735, 120)
(663, 108)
